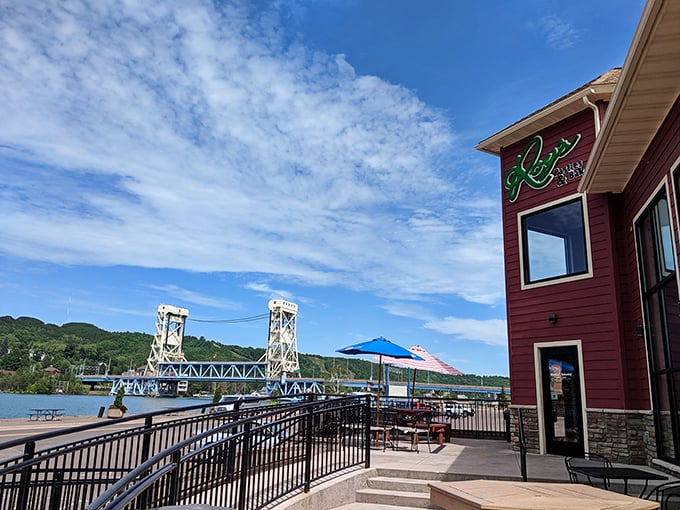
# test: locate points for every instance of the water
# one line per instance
(14, 405)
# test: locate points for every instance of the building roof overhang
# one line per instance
(600, 88)
(646, 91)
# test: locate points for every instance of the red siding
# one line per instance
(603, 311)
(587, 309)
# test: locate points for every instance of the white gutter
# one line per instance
(596, 110)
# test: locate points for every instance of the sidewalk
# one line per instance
(462, 459)
(470, 458)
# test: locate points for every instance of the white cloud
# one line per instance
(488, 331)
(491, 332)
(559, 34)
(184, 135)
(265, 289)
(179, 294)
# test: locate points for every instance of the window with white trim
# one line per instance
(554, 242)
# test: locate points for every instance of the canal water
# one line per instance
(14, 405)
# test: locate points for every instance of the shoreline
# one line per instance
(22, 428)
(63, 422)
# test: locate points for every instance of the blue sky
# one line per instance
(215, 155)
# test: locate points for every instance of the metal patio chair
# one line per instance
(588, 459)
(663, 494)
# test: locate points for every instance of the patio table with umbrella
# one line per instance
(427, 362)
(381, 347)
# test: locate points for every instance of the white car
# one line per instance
(228, 402)
(456, 410)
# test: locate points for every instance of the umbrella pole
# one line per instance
(377, 404)
(413, 385)
(408, 386)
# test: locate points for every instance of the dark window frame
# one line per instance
(576, 255)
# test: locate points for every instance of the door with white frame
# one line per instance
(560, 376)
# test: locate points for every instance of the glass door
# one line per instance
(562, 406)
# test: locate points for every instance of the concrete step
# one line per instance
(393, 483)
(374, 506)
(392, 497)
(408, 474)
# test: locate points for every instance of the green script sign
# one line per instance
(537, 173)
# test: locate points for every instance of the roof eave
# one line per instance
(647, 89)
(545, 117)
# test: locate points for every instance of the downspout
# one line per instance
(596, 110)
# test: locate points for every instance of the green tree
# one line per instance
(503, 399)
(118, 399)
(43, 386)
(218, 394)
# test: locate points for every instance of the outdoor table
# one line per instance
(619, 473)
(46, 414)
(511, 495)
(443, 430)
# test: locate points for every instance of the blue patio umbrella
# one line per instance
(382, 347)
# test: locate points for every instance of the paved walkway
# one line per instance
(472, 458)
(459, 460)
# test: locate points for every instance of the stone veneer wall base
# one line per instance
(622, 436)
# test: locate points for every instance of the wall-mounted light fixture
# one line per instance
(640, 330)
(552, 318)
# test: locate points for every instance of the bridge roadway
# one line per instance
(169, 374)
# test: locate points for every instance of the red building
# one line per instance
(591, 238)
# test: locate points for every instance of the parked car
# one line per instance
(228, 402)
(456, 410)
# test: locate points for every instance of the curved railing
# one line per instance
(242, 459)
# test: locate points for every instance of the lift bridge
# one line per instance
(168, 373)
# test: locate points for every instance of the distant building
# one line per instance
(591, 238)
(51, 370)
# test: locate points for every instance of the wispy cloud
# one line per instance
(182, 295)
(263, 288)
(191, 135)
(559, 34)
(492, 332)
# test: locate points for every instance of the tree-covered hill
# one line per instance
(27, 344)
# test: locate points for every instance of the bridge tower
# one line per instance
(282, 354)
(167, 342)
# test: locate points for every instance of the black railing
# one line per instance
(522, 445)
(245, 458)
(469, 418)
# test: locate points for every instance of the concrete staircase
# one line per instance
(391, 493)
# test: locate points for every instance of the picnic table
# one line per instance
(45, 414)
(511, 495)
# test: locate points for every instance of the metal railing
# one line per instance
(244, 459)
(468, 418)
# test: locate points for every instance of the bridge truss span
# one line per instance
(246, 371)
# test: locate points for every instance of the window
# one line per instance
(554, 242)
(660, 296)
(665, 244)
